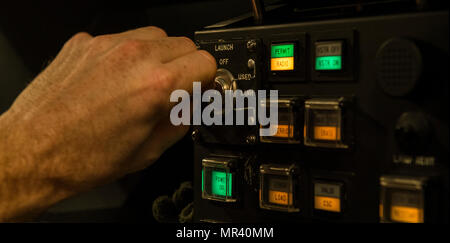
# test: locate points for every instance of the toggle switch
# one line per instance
(224, 80)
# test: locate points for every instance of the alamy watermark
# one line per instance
(219, 107)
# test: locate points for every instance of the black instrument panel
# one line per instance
(363, 135)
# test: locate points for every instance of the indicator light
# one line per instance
(281, 64)
(282, 57)
(327, 204)
(402, 199)
(277, 187)
(328, 55)
(328, 196)
(289, 120)
(406, 214)
(324, 123)
(218, 180)
(326, 133)
(329, 63)
(279, 192)
(282, 50)
(284, 131)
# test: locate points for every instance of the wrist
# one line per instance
(26, 190)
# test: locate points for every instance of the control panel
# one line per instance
(362, 132)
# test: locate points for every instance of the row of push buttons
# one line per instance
(328, 56)
(323, 122)
(401, 199)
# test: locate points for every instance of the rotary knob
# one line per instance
(224, 80)
(412, 132)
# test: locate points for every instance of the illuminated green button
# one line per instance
(329, 63)
(282, 50)
(221, 183)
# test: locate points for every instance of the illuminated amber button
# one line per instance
(327, 203)
(278, 187)
(282, 198)
(406, 214)
(282, 63)
(284, 131)
(326, 133)
(327, 196)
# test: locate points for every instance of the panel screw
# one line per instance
(195, 135)
(251, 139)
(251, 45)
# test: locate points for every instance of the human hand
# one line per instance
(100, 110)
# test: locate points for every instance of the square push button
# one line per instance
(282, 57)
(289, 120)
(402, 199)
(218, 179)
(328, 55)
(324, 123)
(277, 187)
(328, 196)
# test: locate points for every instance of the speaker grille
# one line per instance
(399, 65)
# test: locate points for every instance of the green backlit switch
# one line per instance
(221, 183)
(282, 50)
(217, 179)
(328, 55)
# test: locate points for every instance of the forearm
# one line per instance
(25, 190)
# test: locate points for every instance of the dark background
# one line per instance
(32, 33)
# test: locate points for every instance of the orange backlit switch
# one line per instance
(328, 196)
(288, 129)
(277, 187)
(279, 193)
(329, 133)
(324, 123)
(402, 199)
(282, 63)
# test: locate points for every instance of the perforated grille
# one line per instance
(399, 65)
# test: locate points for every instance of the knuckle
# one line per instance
(79, 38)
(129, 51)
(131, 46)
(100, 40)
(164, 79)
(157, 29)
(164, 76)
(159, 83)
